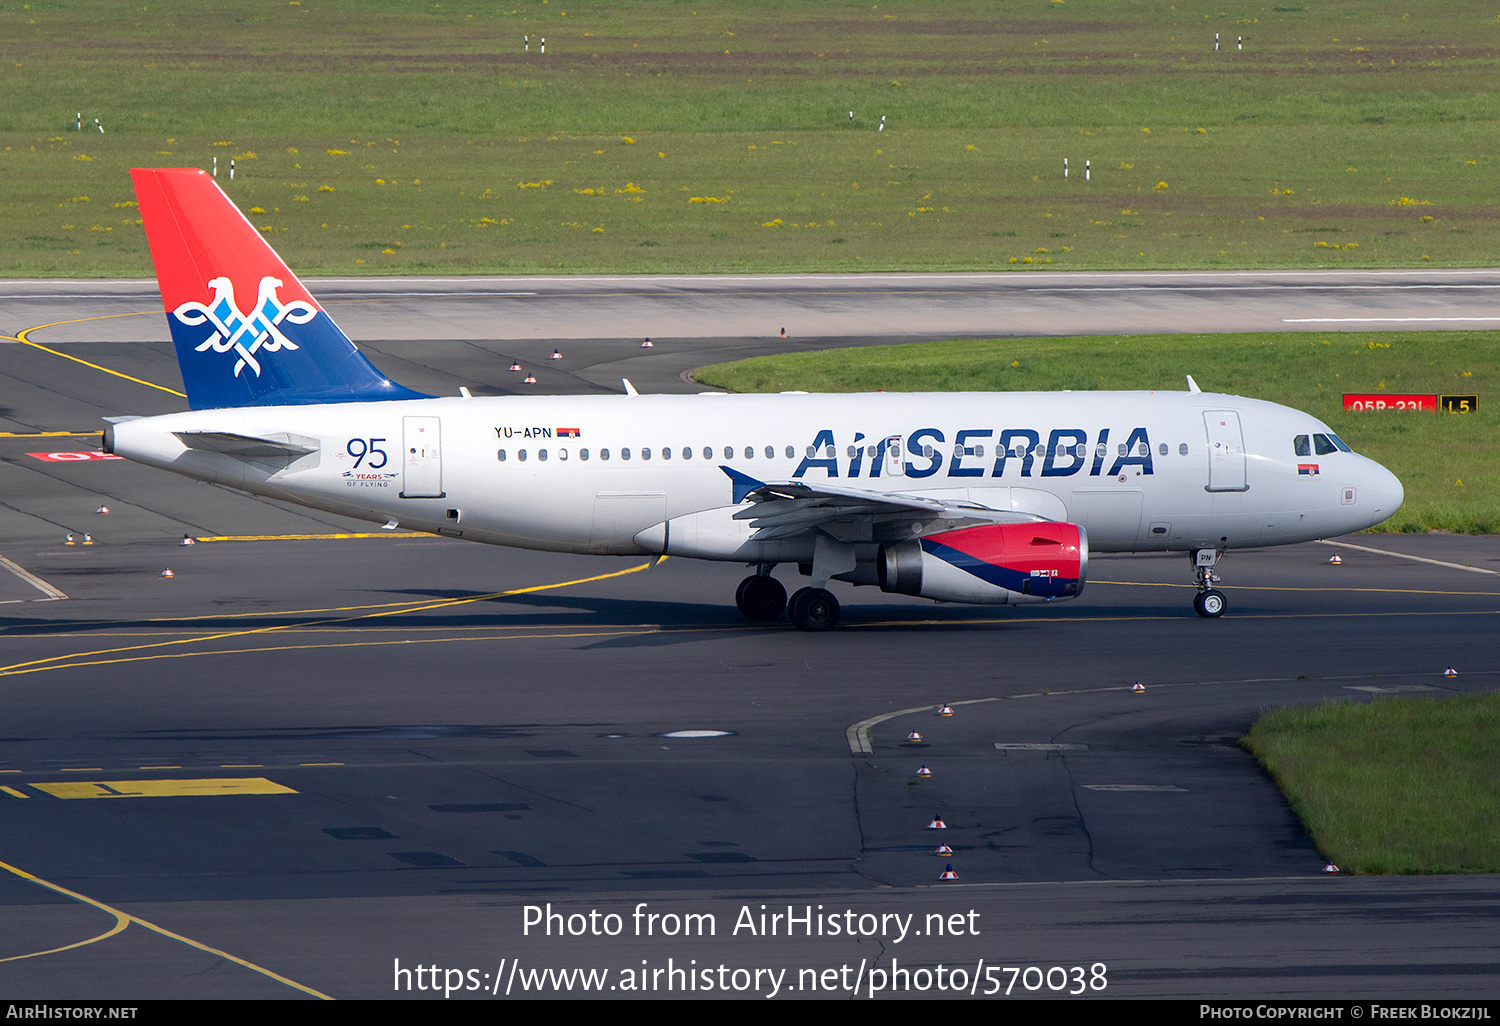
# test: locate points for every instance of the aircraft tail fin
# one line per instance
(247, 332)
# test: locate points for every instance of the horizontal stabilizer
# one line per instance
(246, 446)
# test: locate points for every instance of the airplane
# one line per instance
(958, 497)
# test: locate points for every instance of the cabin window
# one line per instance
(521, 455)
(666, 452)
(1182, 449)
(583, 454)
(1102, 450)
(770, 452)
(708, 453)
(791, 453)
(625, 454)
(541, 454)
(1162, 448)
(562, 454)
(749, 452)
(1122, 449)
(1301, 446)
(729, 452)
(978, 450)
(1145, 449)
(645, 453)
(812, 451)
(687, 452)
(604, 454)
(500, 455)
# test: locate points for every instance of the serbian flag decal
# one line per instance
(1307, 470)
(569, 433)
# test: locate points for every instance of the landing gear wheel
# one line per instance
(1209, 603)
(814, 609)
(760, 598)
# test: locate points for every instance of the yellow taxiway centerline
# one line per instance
(45, 434)
(37, 665)
(124, 919)
(21, 338)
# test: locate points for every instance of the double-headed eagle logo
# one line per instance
(246, 334)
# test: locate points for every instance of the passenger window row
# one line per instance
(749, 453)
(872, 451)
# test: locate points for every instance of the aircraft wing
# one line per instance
(787, 508)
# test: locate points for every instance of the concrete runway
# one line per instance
(320, 756)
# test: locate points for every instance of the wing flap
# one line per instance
(784, 509)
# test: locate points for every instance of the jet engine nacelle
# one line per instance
(994, 563)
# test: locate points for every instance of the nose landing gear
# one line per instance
(1209, 602)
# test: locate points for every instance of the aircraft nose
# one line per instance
(1387, 492)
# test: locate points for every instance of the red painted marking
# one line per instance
(1050, 547)
(197, 234)
(73, 457)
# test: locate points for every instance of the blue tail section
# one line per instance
(279, 348)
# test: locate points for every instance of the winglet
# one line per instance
(1193, 385)
(629, 388)
(744, 484)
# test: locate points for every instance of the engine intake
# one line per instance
(994, 563)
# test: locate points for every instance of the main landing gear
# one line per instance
(814, 609)
(1209, 602)
(761, 597)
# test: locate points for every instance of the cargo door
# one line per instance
(620, 516)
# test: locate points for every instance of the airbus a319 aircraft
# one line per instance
(961, 497)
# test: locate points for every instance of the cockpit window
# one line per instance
(1302, 446)
(1342, 446)
(1322, 446)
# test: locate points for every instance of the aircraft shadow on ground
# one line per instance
(687, 620)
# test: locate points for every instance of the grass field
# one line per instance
(673, 136)
(1392, 786)
(1448, 463)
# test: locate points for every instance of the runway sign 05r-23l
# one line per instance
(1388, 401)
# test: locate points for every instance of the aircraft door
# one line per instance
(1226, 451)
(895, 459)
(422, 458)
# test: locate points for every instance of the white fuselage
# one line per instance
(1141, 471)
